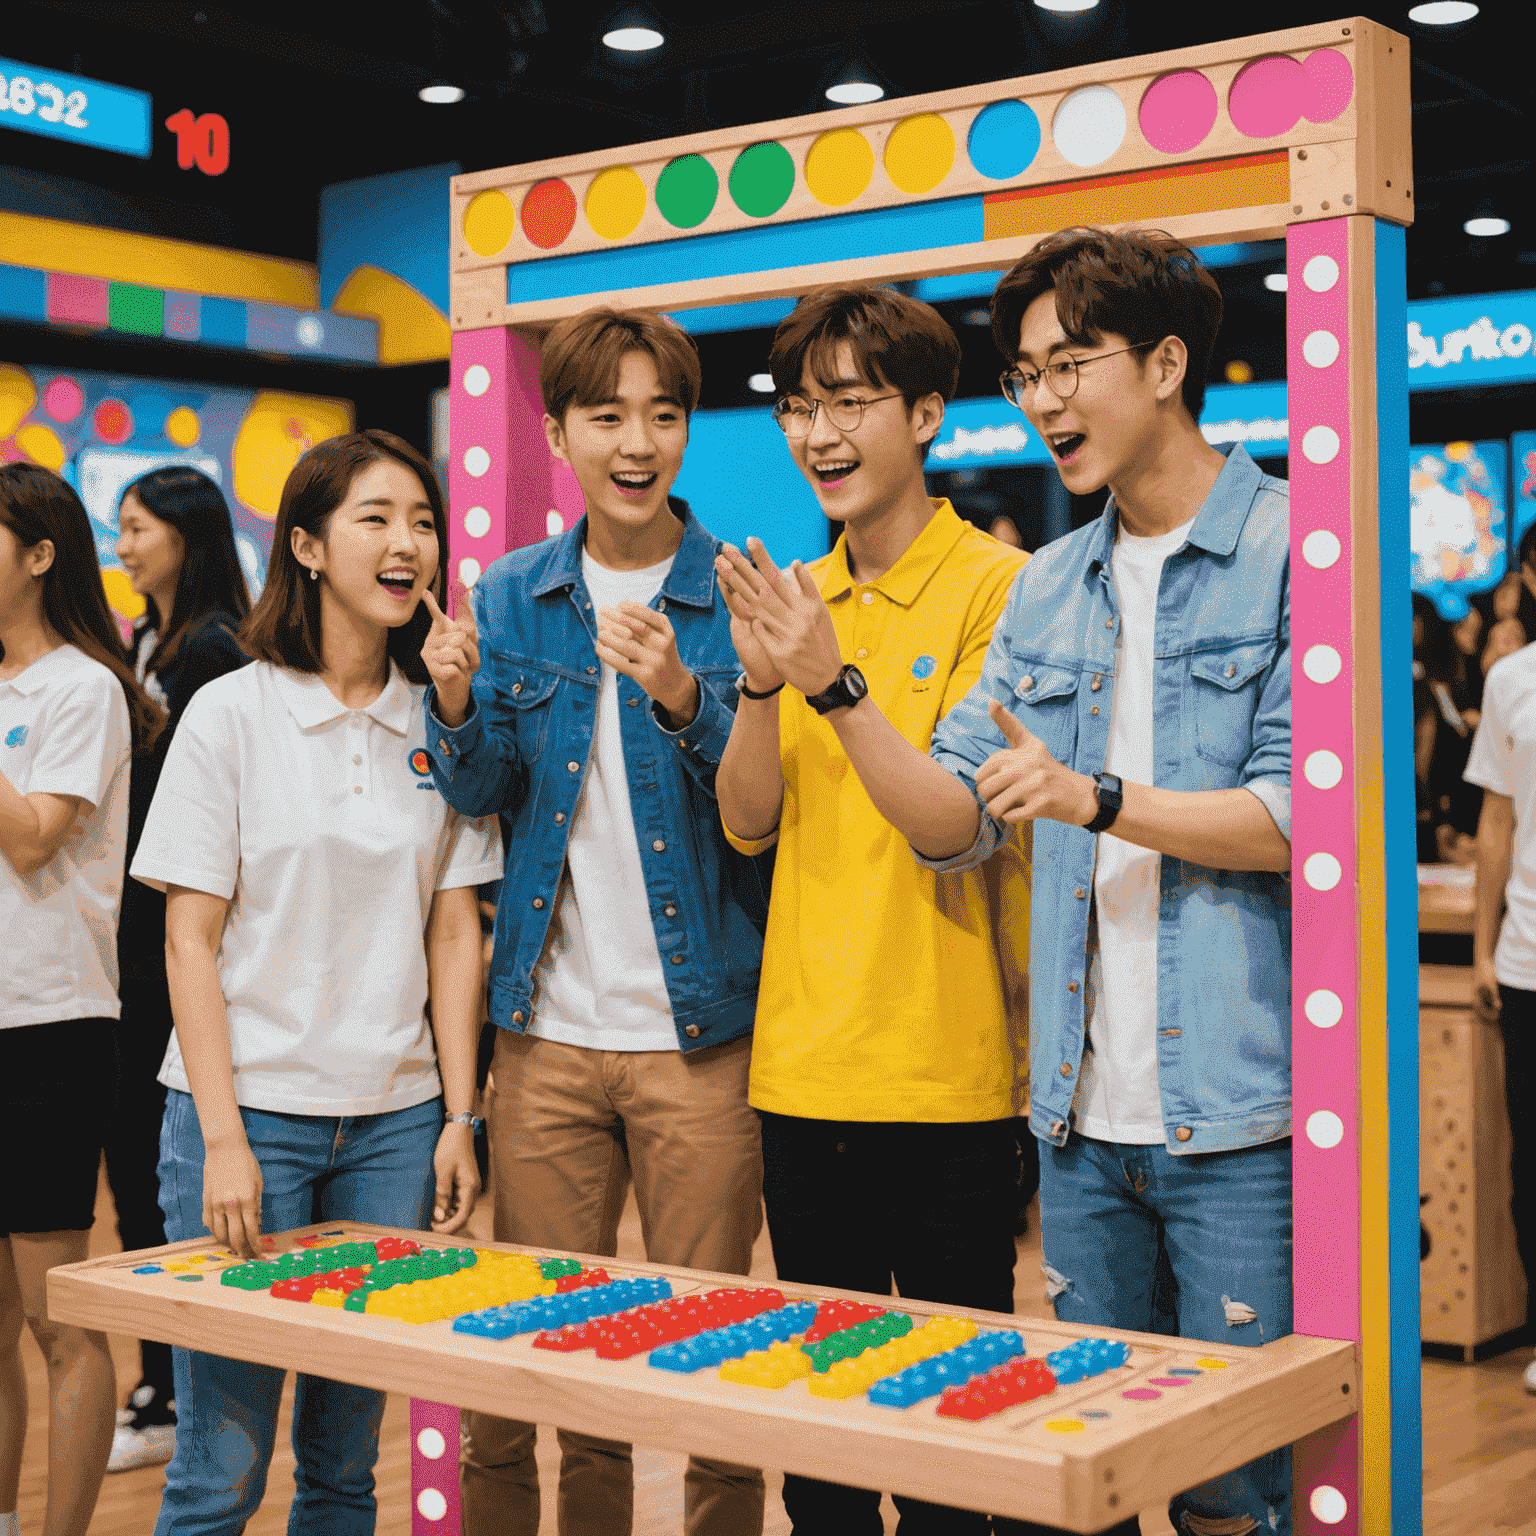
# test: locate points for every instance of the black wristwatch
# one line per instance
(1110, 799)
(849, 688)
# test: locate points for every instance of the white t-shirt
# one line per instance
(64, 730)
(1117, 1095)
(323, 829)
(1503, 759)
(599, 982)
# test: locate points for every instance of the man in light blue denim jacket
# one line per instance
(1140, 679)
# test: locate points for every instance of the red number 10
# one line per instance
(201, 141)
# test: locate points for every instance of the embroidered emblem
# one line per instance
(16, 736)
(924, 667)
(421, 764)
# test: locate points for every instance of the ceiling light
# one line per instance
(633, 39)
(1066, 5)
(1486, 226)
(441, 95)
(855, 85)
(1442, 13)
(1275, 282)
(761, 383)
(977, 317)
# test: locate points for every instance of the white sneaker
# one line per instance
(1530, 1377)
(147, 1447)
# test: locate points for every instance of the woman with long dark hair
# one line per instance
(177, 544)
(320, 893)
(72, 715)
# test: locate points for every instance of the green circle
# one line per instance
(686, 191)
(762, 179)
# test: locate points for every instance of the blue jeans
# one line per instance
(372, 1168)
(1196, 1246)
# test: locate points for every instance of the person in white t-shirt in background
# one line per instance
(320, 898)
(1503, 763)
(71, 715)
(629, 933)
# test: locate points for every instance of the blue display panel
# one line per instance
(1458, 521)
(73, 108)
(1484, 339)
(1522, 454)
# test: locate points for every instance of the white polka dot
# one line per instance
(1324, 1128)
(1320, 549)
(1328, 1504)
(1324, 1008)
(1320, 274)
(469, 571)
(1322, 871)
(1321, 349)
(476, 380)
(432, 1504)
(1321, 664)
(1321, 445)
(309, 331)
(477, 522)
(431, 1444)
(476, 461)
(1089, 125)
(1323, 770)
(553, 523)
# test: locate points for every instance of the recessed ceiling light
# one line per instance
(1275, 282)
(1487, 227)
(1442, 13)
(762, 383)
(850, 93)
(977, 317)
(1066, 5)
(441, 95)
(633, 39)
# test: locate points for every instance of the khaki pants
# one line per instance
(569, 1130)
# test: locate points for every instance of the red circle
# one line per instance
(549, 213)
(113, 422)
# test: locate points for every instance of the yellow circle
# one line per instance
(121, 598)
(41, 445)
(1065, 1426)
(488, 222)
(615, 202)
(919, 153)
(839, 167)
(1212, 1365)
(182, 426)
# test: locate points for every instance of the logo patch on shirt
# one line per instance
(421, 764)
(924, 667)
(16, 736)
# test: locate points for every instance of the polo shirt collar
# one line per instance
(36, 676)
(312, 704)
(691, 579)
(905, 580)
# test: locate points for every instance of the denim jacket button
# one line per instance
(1026, 682)
(573, 767)
(677, 959)
(632, 702)
(1098, 682)
(559, 818)
(1109, 623)
(670, 911)
(658, 846)
(1066, 1069)
(691, 1030)
(517, 687)
(1056, 1126)
(1183, 1133)
(1094, 710)
(517, 1018)
(1231, 669)
(1071, 986)
(1079, 893)
(591, 671)
(538, 903)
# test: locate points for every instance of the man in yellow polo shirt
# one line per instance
(889, 1053)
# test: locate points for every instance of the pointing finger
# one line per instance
(438, 616)
(458, 599)
(1016, 734)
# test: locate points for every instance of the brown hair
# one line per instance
(284, 626)
(35, 504)
(897, 342)
(1140, 284)
(579, 364)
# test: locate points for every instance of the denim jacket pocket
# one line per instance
(1045, 703)
(531, 694)
(1225, 694)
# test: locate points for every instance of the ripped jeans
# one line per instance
(1196, 1246)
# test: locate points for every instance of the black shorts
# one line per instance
(57, 1083)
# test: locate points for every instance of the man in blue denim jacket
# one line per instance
(1140, 679)
(628, 932)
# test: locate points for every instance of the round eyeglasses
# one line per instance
(846, 413)
(1060, 375)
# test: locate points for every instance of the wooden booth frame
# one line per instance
(1303, 133)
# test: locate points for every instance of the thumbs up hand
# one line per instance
(1024, 782)
(451, 652)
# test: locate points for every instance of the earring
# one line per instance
(314, 575)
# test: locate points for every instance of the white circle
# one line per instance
(477, 380)
(1324, 1008)
(1321, 349)
(1089, 125)
(1322, 871)
(431, 1444)
(553, 523)
(1320, 549)
(476, 461)
(1277, 282)
(1324, 1128)
(1321, 445)
(852, 93)
(1323, 769)
(432, 1504)
(1439, 13)
(1320, 274)
(633, 39)
(477, 522)
(761, 383)
(1321, 664)
(1328, 1504)
(469, 571)
(309, 331)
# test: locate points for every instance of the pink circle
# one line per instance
(1269, 96)
(1141, 1394)
(1169, 1381)
(1178, 110)
(1333, 83)
(63, 399)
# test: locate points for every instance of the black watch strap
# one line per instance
(1110, 798)
(752, 693)
(844, 693)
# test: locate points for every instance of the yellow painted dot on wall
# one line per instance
(615, 202)
(1065, 1426)
(121, 597)
(839, 167)
(41, 446)
(277, 431)
(182, 426)
(18, 395)
(488, 222)
(919, 153)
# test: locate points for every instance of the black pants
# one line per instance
(132, 1142)
(1517, 1022)
(857, 1205)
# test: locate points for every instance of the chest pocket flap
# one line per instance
(1045, 702)
(1235, 666)
(530, 692)
(1225, 696)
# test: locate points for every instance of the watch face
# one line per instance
(854, 682)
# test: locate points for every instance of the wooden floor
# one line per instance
(1479, 1435)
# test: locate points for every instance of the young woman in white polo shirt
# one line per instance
(71, 714)
(319, 892)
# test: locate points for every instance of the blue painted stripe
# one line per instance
(766, 248)
(759, 315)
(957, 285)
(223, 322)
(1402, 915)
(23, 294)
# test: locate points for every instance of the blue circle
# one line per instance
(1004, 139)
(924, 666)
